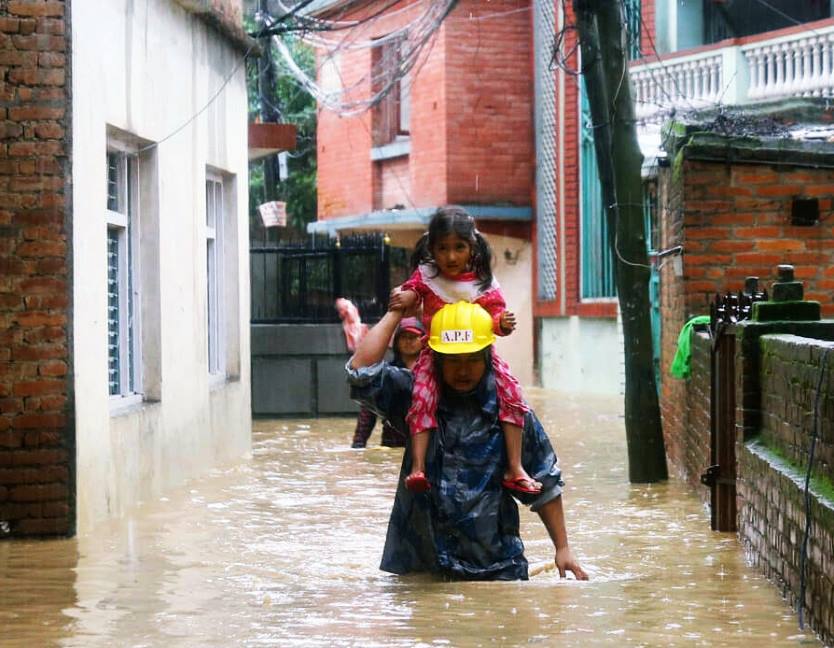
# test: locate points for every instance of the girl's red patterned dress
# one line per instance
(435, 291)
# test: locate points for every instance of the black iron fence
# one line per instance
(299, 281)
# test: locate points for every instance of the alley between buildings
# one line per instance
(284, 549)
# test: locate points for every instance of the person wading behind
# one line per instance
(466, 525)
(409, 340)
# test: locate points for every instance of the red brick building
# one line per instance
(467, 135)
(494, 125)
(457, 129)
(497, 121)
(739, 206)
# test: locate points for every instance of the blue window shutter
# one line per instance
(596, 261)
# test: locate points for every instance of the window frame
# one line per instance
(403, 98)
(124, 219)
(214, 232)
(598, 235)
(391, 117)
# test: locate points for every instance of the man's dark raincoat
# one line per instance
(466, 526)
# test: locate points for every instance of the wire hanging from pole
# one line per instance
(387, 72)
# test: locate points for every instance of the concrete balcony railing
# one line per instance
(784, 63)
(682, 83)
(797, 64)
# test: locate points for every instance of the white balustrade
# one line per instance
(681, 83)
(799, 64)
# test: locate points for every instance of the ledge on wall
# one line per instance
(513, 220)
(268, 139)
(397, 148)
(225, 20)
(797, 132)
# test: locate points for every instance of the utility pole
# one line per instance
(605, 68)
(268, 113)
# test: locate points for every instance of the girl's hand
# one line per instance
(507, 321)
(565, 562)
(402, 300)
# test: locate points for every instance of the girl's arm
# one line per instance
(416, 284)
(403, 300)
(503, 321)
(408, 295)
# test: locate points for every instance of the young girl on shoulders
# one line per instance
(452, 262)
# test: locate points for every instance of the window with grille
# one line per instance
(123, 353)
(544, 32)
(650, 218)
(214, 273)
(596, 260)
(633, 19)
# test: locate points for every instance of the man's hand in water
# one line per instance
(565, 562)
(507, 321)
(402, 300)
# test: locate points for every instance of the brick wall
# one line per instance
(790, 369)
(737, 223)
(569, 200)
(781, 373)
(781, 364)
(345, 174)
(648, 30)
(772, 527)
(489, 103)
(471, 119)
(36, 433)
(733, 221)
(430, 136)
(673, 313)
(686, 425)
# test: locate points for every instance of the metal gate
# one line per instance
(298, 282)
(720, 476)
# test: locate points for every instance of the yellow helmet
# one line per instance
(461, 328)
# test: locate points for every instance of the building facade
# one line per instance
(685, 55)
(456, 130)
(125, 303)
(497, 115)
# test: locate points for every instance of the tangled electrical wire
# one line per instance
(397, 53)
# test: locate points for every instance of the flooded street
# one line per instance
(284, 550)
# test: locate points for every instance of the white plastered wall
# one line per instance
(514, 274)
(581, 355)
(143, 69)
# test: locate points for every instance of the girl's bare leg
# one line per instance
(419, 447)
(515, 471)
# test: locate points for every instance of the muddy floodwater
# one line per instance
(283, 550)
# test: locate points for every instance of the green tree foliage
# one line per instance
(274, 95)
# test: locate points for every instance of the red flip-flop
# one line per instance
(417, 482)
(519, 485)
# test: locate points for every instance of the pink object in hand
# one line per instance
(352, 324)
